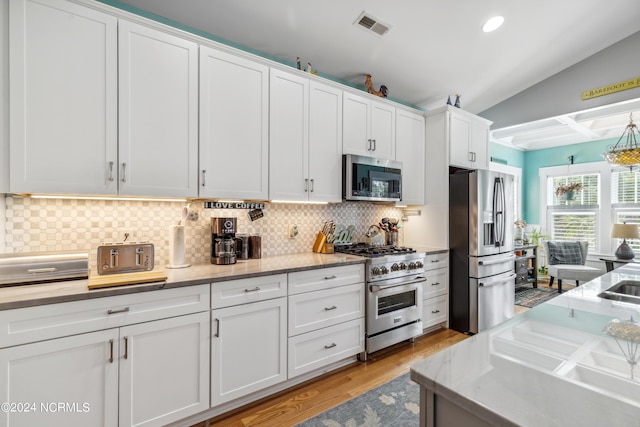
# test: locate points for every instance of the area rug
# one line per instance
(395, 403)
(530, 297)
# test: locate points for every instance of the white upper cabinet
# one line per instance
(305, 139)
(410, 150)
(469, 139)
(63, 98)
(234, 126)
(158, 113)
(368, 127)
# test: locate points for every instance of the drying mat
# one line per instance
(395, 403)
(109, 280)
(530, 297)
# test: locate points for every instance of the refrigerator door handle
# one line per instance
(497, 282)
(498, 261)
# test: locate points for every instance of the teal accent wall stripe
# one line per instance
(203, 34)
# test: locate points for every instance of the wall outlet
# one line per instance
(293, 231)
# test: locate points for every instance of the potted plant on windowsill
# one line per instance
(569, 191)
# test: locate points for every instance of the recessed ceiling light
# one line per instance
(493, 24)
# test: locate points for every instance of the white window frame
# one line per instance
(604, 243)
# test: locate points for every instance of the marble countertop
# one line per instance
(552, 365)
(49, 293)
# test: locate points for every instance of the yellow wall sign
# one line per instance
(606, 90)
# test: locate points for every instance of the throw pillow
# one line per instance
(565, 253)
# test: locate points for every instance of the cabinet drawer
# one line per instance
(32, 324)
(242, 291)
(314, 280)
(439, 260)
(436, 283)
(434, 311)
(315, 310)
(319, 348)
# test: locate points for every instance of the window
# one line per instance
(625, 201)
(574, 218)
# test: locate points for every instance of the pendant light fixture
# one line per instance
(627, 153)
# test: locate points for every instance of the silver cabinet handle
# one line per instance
(123, 310)
(306, 185)
(312, 185)
(369, 147)
(330, 345)
(111, 351)
(111, 171)
(126, 347)
(217, 334)
(435, 260)
(435, 311)
(333, 307)
(256, 289)
(435, 284)
(124, 172)
(204, 177)
(330, 277)
(374, 145)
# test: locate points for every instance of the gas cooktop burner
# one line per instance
(371, 251)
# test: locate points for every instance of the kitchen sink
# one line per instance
(625, 291)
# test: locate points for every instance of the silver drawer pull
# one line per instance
(435, 284)
(330, 277)
(42, 270)
(257, 288)
(330, 345)
(435, 260)
(435, 311)
(124, 310)
(333, 307)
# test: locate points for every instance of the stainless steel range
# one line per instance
(394, 279)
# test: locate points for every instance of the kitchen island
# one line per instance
(553, 365)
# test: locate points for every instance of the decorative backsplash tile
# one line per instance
(37, 225)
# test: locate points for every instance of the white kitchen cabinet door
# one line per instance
(234, 127)
(289, 137)
(158, 113)
(469, 140)
(368, 127)
(325, 143)
(78, 372)
(410, 150)
(164, 370)
(63, 98)
(248, 349)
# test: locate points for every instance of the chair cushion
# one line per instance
(582, 273)
(565, 253)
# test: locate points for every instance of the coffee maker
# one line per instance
(223, 241)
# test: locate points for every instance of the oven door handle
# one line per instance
(496, 282)
(419, 279)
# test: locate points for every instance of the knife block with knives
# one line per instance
(324, 239)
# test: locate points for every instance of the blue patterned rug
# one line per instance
(395, 403)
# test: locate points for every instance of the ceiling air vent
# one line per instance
(369, 23)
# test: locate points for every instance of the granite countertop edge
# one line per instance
(13, 297)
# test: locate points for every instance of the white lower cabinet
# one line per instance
(435, 290)
(326, 317)
(147, 374)
(248, 348)
(128, 360)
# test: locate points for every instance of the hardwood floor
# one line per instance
(306, 400)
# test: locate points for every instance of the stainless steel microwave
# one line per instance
(368, 178)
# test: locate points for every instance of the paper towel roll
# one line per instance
(176, 247)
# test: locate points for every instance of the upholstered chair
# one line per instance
(566, 261)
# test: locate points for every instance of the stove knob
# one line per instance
(412, 265)
(419, 264)
(402, 266)
(375, 271)
(395, 267)
(384, 270)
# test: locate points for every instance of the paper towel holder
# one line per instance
(176, 247)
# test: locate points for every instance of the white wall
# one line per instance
(4, 100)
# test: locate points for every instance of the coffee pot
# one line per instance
(223, 241)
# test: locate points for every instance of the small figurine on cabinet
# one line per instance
(369, 84)
(449, 100)
(457, 104)
(298, 63)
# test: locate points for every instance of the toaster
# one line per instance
(125, 257)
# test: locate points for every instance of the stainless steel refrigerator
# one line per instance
(482, 273)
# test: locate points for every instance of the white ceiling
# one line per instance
(434, 48)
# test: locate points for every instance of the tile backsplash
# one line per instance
(36, 225)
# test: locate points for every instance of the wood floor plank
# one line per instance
(313, 397)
